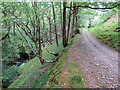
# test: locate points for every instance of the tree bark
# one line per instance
(50, 32)
(6, 34)
(38, 42)
(69, 22)
(117, 5)
(55, 24)
(64, 25)
(73, 22)
(61, 14)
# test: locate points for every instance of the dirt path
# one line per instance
(98, 62)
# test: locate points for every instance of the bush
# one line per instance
(9, 74)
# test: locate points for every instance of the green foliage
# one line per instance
(106, 32)
(9, 46)
(106, 15)
(31, 76)
(58, 77)
(76, 79)
(55, 76)
(9, 74)
(25, 14)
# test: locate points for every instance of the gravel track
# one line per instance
(97, 61)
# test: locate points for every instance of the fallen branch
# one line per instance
(48, 61)
(55, 54)
(51, 61)
(117, 5)
(117, 29)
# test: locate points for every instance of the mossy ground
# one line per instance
(31, 77)
(62, 79)
(107, 33)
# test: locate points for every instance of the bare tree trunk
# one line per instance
(43, 39)
(61, 14)
(89, 23)
(55, 24)
(73, 23)
(64, 25)
(38, 43)
(69, 22)
(76, 30)
(50, 32)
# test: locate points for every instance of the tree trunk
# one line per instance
(89, 23)
(14, 29)
(64, 25)
(50, 32)
(38, 42)
(56, 37)
(61, 14)
(73, 24)
(69, 22)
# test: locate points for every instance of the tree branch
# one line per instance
(95, 7)
(5, 35)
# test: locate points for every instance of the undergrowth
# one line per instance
(61, 79)
(107, 33)
(32, 76)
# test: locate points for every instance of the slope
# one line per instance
(108, 32)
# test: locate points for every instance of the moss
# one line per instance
(103, 86)
(105, 32)
(31, 77)
(58, 77)
(52, 77)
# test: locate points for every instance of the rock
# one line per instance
(91, 72)
(97, 64)
(111, 78)
(103, 76)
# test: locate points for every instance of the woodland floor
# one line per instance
(97, 62)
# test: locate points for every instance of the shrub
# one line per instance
(9, 74)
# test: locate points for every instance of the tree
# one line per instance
(56, 36)
(64, 25)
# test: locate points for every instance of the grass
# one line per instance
(31, 77)
(106, 33)
(58, 77)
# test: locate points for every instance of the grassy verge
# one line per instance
(107, 33)
(70, 79)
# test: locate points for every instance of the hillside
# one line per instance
(108, 32)
(53, 75)
(34, 75)
(63, 44)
